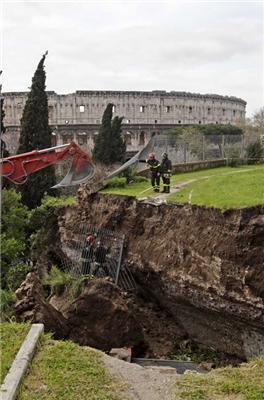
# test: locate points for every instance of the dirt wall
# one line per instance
(203, 267)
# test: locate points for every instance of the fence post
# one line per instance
(223, 147)
(203, 149)
(119, 260)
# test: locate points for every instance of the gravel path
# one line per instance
(143, 383)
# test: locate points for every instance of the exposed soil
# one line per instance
(200, 271)
(199, 275)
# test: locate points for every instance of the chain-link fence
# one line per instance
(189, 148)
(97, 252)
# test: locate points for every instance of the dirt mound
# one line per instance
(99, 317)
(31, 306)
(197, 266)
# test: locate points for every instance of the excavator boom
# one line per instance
(17, 168)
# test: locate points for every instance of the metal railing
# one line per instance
(97, 252)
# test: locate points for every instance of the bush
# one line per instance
(233, 158)
(6, 304)
(14, 236)
(191, 351)
(57, 280)
(116, 182)
(16, 274)
(43, 224)
(254, 152)
(139, 178)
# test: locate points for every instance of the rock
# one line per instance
(123, 353)
(32, 306)
(207, 366)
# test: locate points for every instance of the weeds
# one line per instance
(189, 351)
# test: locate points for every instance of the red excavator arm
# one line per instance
(17, 168)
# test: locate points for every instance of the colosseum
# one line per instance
(77, 116)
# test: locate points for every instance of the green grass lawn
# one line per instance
(232, 190)
(66, 371)
(243, 383)
(12, 336)
(225, 187)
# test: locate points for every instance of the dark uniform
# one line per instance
(87, 258)
(165, 169)
(100, 255)
(154, 171)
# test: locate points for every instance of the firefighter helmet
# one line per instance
(164, 155)
(90, 238)
(152, 156)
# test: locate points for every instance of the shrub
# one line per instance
(16, 274)
(233, 158)
(191, 351)
(43, 224)
(139, 178)
(6, 303)
(116, 182)
(254, 152)
(57, 280)
(14, 234)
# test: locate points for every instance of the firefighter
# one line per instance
(87, 256)
(165, 169)
(100, 258)
(154, 170)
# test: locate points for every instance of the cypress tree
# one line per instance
(36, 135)
(118, 147)
(109, 146)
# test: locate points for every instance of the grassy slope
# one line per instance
(225, 187)
(243, 383)
(11, 338)
(65, 371)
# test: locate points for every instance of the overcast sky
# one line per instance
(200, 47)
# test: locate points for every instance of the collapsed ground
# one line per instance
(199, 275)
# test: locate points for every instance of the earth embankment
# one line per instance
(200, 269)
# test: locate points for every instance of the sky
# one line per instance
(193, 46)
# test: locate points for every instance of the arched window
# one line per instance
(128, 138)
(142, 139)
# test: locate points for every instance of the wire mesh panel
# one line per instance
(97, 252)
(197, 147)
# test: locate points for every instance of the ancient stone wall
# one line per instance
(78, 115)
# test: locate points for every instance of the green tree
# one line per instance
(14, 220)
(36, 135)
(118, 147)
(109, 146)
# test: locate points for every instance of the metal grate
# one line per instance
(100, 257)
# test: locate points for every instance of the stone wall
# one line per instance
(78, 115)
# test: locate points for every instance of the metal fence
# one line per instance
(198, 147)
(99, 257)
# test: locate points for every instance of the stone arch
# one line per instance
(128, 138)
(142, 138)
